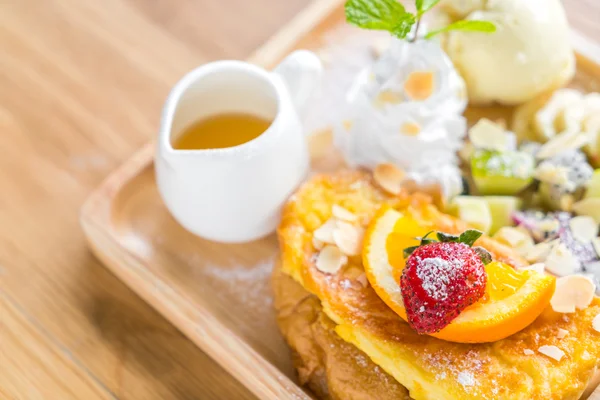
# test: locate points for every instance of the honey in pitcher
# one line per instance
(221, 131)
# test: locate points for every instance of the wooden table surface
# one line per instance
(82, 83)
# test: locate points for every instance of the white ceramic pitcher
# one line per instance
(235, 194)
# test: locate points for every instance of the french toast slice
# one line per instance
(430, 368)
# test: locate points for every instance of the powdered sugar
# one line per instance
(436, 275)
(466, 378)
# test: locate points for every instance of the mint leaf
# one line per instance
(424, 5)
(385, 15)
(485, 255)
(447, 238)
(469, 237)
(470, 25)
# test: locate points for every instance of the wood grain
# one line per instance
(82, 84)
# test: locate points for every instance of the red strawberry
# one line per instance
(439, 281)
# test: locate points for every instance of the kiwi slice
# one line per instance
(502, 173)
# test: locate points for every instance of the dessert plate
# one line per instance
(219, 295)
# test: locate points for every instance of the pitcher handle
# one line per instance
(301, 72)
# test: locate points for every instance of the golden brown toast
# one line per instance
(431, 368)
(329, 366)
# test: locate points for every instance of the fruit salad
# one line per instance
(536, 190)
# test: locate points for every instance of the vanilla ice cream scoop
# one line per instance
(529, 53)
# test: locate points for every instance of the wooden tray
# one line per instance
(219, 295)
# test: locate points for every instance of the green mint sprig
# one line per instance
(468, 237)
(391, 16)
(466, 25)
(383, 15)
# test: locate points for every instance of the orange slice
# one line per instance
(513, 298)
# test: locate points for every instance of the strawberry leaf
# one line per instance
(466, 25)
(469, 237)
(485, 255)
(409, 250)
(447, 238)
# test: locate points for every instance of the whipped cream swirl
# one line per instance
(406, 110)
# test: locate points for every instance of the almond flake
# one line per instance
(539, 252)
(343, 214)
(317, 244)
(485, 134)
(387, 97)
(596, 244)
(585, 355)
(572, 292)
(389, 177)
(596, 323)
(584, 228)
(528, 352)
(325, 232)
(330, 260)
(537, 267)
(561, 261)
(552, 352)
(550, 173)
(419, 85)
(362, 279)
(410, 129)
(349, 239)
(562, 333)
(517, 238)
(562, 142)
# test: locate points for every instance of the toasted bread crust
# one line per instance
(429, 367)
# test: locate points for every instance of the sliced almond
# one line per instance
(584, 228)
(419, 85)
(330, 260)
(552, 352)
(517, 238)
(349, 239)
(596, 323)
(528, 352)
(362, 279)
(561, 261)
(539, 252)
(596, 244)
(486, 134)
(325, 232)
(389, 177)
(550, 173)
(410, 129)
(562, 333)
(317, 244)
(537, 267)
(562, 142)
(343, 214)
(387, 97)
(573, 292)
